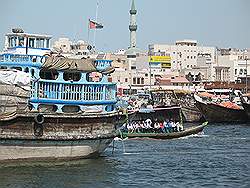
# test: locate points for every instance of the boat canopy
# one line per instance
(62, 63)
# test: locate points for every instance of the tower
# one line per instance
(132, 26)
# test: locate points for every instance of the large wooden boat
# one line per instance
(213, 112)
(55, 108)
(191, 114)
(186, 132)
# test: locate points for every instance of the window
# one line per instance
(32, 42)
(12, 41)
(17, 68)
(21, 41)
(146, 74)
(191, 57)
(142, 80)
(138, 81)
(48, 74)
(47, 43)
(40, 43)
(188, 57)
(126, 79)
(26, 70)
(134, 80)
(235, 71)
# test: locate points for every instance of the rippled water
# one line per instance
(220, 157)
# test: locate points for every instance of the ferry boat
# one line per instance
(54, 108)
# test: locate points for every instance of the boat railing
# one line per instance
(18, 59)
(102, 64)
(60, 94)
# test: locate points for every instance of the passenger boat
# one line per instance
(186, 132)
(215, 112)
(54, 108)
(156, 106)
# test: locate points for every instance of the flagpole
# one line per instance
(88, 30)
(96, 14)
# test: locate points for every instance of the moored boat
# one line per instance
(55, 108)
(216, 112)
(245, 100)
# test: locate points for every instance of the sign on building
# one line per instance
(165, 61)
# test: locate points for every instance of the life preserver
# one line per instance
(38, 129)
(39, 119)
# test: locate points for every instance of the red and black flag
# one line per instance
(95, 25)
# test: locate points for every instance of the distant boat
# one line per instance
(186, 132)
(214, 112)
(245, 99)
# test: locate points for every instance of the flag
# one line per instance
(94, 25)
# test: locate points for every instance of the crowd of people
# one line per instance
(149, 126)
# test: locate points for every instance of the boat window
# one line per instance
(71, 109)
(71, 76)
(40, 43)
(32, 42)
(21, 41)
(47, 43)
(94, 77)
(17, 68)
(26, 69)
(3, 67)
(32, 72)
(48, 74)
(12, 41)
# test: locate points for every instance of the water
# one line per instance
(219, 157)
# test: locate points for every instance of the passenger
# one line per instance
(157, 127)
(130, 128)
(162, 129)
(142, 127)
(170, 126)
(174, 128)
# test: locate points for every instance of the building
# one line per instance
(66, 47)
(236, 61)
(183, 53)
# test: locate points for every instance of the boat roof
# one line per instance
(29, 35)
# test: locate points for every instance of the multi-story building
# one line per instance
(183, 54)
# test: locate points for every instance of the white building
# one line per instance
(183, 54)
(237, 61)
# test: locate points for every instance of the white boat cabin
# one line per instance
(19, 42)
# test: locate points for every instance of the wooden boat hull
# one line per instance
(246, 107)
(186, 132)
(58, 136)
(219, 114)
(191, 114)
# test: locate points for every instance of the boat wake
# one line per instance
(127, 153)
(199, 135)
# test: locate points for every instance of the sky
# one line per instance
(218, 23)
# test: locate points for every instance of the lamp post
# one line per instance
(246, 74)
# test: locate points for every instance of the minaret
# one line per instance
(132, 26)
